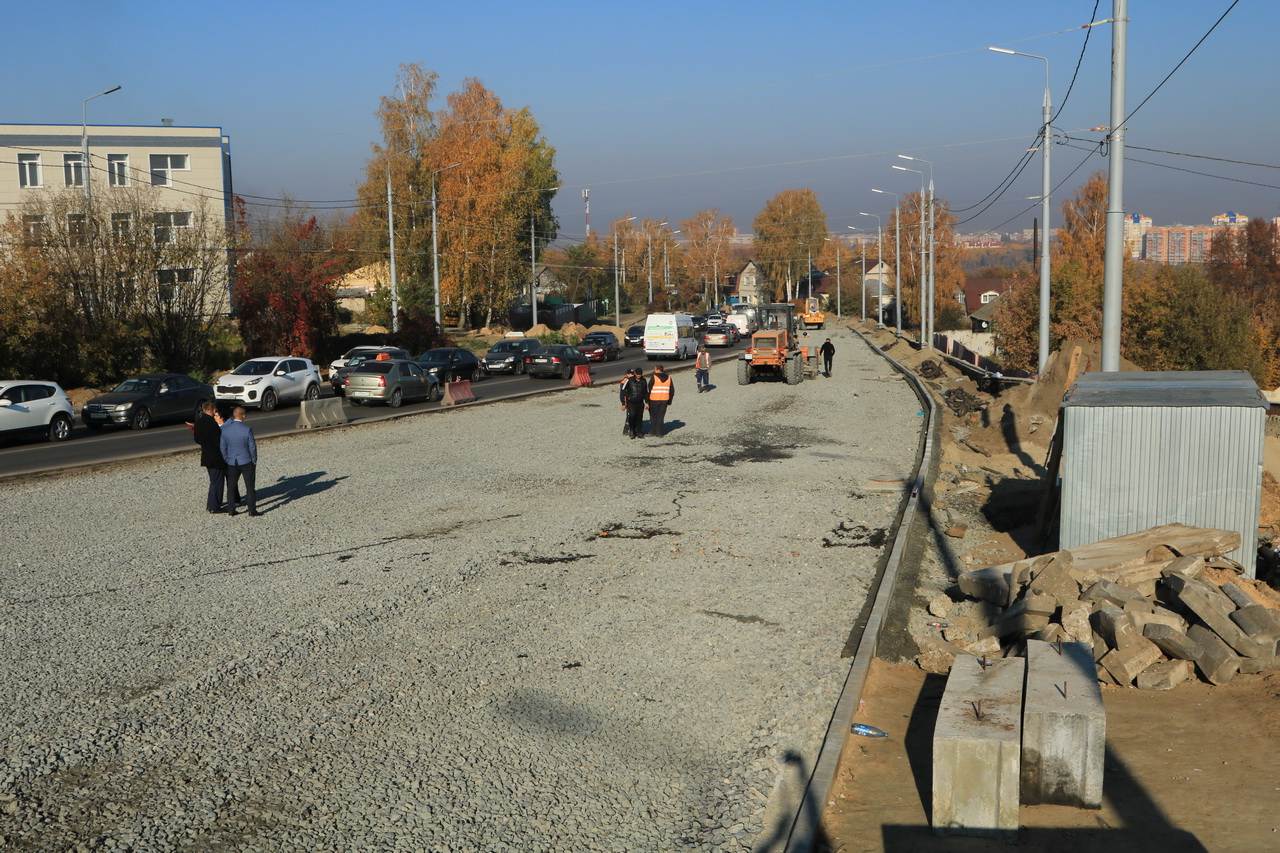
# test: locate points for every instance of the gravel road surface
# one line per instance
(504, 628)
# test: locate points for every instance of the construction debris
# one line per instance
(961, 402)
(1146, 604)
(930, 369)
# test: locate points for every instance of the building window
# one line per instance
(77, 227)
(989, 297)
(170, 281)
(121, 224)
(73, 170)
(28, 170)
(164, 164)
(167, 223)
(118, 170)
(33, 227)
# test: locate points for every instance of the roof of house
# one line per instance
(986, 312)
(975, 286)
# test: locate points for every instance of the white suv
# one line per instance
(267, 382)
(30, 406)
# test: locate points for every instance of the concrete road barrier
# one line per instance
(321, 413)
(581, 376)
(457, 392)
(1064, 727)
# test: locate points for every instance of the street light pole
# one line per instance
(933, 245)
(880, 274)
(84, 141)
(925, 342)
(897, 258)
(391, 239)
(862, 283)
(1113, 265)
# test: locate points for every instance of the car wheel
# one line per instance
(566, 372)
(60, 428)
(396, 399)
(313, 392)
(268, 400)
(141, 418)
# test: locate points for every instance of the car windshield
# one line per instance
(352, 353)
(558, 350)
(135, 386)
(636, 330)
(435, 355)
(256, 367)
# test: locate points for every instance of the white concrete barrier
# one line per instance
(321, 413)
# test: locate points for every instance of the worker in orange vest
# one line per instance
(662, 393)
(702, 369)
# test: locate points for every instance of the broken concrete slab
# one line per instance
(1064, 727)
(1074, 618)
(1253, 666)
(1216, 662)
(1053, 577)
(1051, 633)
(1172, 642)
(1259, 623)
(1142, 615)
(1115, 627)
(1027, 615)
(989, 584)
(1124, 664)
(983, 647)
(1194, 597)
(977, 747)
(1233, 591)
(1186, 567)
(1165, 675)
(1113, 593)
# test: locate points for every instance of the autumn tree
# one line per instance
(584, 269)
(706, 253)
(789, 227)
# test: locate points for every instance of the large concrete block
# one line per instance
(1064, 727)
(1205, 605)
(977, 746)
(1216, 661)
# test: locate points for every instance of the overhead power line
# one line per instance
(1093, 16)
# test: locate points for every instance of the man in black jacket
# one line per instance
(632, 395)
(208, 433)
(828, 351)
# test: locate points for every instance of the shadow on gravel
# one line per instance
(795, 776)
(541, 711)
(286, 490)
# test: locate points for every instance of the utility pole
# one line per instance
(84, 145)
(648, 237)
(1113, 265)
(533, 271)
(617, 304)
(863, 286)
(435, 254)
(586, 203)
(1046, 143)
(879, 276)
(897, 268)
(391, 238)
(839, 285)
(933, 252)
(808, 269)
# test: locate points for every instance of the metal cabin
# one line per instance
(1148, 448)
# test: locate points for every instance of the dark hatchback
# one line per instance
(509, 356)
(557, 360)
(600, 346)
(449, 363)
(634, 337)
(143, 400)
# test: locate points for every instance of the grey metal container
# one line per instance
(1147, 448)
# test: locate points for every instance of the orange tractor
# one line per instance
(776, 348)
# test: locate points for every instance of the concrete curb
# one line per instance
(390, 415)
(808, 819)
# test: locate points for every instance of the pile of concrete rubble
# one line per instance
(1144, 602)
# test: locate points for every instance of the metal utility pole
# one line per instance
(586, 203)
(617, 305)
(84, 142)
(533, 271)
(933, 254)
(435, 254)
(925, 342)
(1113, 265)
(897, 259)
(880, 274)
(863, 286)
(648, 254)
(838, 283)
(391, 239)
(808, 270)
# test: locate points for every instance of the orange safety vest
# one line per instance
(661, 390)
(704, 361)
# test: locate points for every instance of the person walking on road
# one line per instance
(240, 450)
(702, 368)
(828, 351)
(208, 434)
(662, 393)
(632, 394)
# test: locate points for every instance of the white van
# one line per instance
(742, 322)
(670, 336)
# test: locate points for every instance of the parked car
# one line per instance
(721, 337)
(742, 322)
(450, 363)
(556, 360)
(391, 382)
(508, 356)
(339, 363)
(634, 336)
(267, 382)
(699, 322)
(337, 378)
(141, 401)
(34, 407)
(600, 346)
(715, 321)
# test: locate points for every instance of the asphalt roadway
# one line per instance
(32, 456)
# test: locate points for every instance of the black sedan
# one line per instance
(449, 363)
(508, 356)
(634, 337)
(600, 346)
(557, 360)
(141, 401)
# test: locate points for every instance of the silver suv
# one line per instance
(268, 382)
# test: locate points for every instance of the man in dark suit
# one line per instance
(208, 434)
(240, 450)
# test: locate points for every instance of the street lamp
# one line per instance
(933, 243)
(924, 342)
(1045, 144)
(897, 258)
(880, 274)
(435, 251)
(617, 301)
(839, 285)
(84, 138)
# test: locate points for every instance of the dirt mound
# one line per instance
(616, 330)
(573, 331)
(1045, 396)
(538, 331)
(376, 330)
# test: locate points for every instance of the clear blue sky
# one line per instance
(658, 90)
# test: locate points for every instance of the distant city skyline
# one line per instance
(670, 109)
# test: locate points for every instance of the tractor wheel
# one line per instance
(794, 371)
(744, 372)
